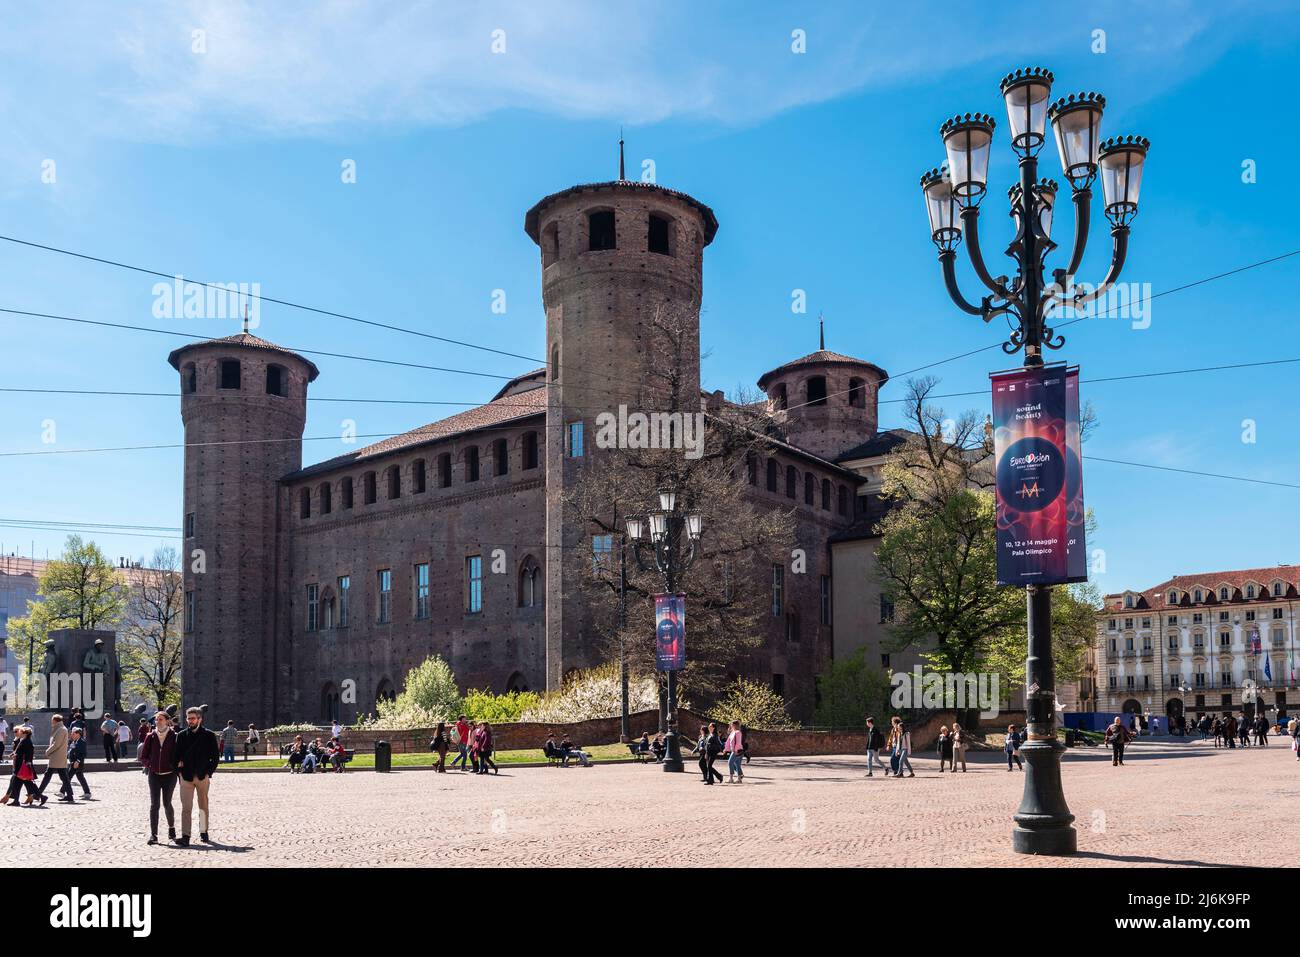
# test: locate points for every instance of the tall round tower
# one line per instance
(615, 257)
(244, 405)
(825, 402)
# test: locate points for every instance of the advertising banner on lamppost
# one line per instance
(670, 632)
(1029, 440)
(1076, 545)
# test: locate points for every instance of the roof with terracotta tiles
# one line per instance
(1157, 596)
(510, 408)
(246, 340)
(533, 216)
(821, 357)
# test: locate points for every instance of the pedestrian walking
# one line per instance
(4, 736)
(439, 746)
(123, 740)
(336, 731)
(108, 732)
(1116, 737)
(460, 738)
(229, 735)
(875, 741)
(24, 773)
(77, 762)
(158, 755)
(1012, 747)
(196, 759)
(959, 742)
(901, 747)
(943, 748)
(1293, 729)
(484, 749)
(735, 751)
(1261, 731)
(251, 741)
(1243, 730)
(56, 762)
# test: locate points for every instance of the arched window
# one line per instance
(516, 682)
(304, 503)
(501, 456)
(844, 500)
(1128, 601)
(826, 494)
(530, 450)
(371, 493)
(326, 498)
(1277, 589)
(189, 379)
(277, 380)
(394, 481)
(1223, 594)
(857, 394)
(555, 363)
(791, 480)
(809, 489)
(331, 704)
(346, 488)
(530, 583)
(600, 230)
(1173, 598)
(817, 390)
(550, 244)
(780, 398)
(1250, 591)
(471, 464)
(385, 691)
(771, 475)
(418, 480)
(444, 470)
(1197, 596)
(751, 468)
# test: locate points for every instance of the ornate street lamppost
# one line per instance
(673, 538)
(952, 198)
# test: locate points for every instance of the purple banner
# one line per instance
(1076, 543)
(670, 632)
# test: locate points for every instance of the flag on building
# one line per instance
(1268, 671)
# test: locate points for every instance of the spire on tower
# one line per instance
(245, 318)
(821, 333)
(621, 175)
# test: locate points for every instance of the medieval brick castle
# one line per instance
(361, 566)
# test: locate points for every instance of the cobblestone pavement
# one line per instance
(1172, 804)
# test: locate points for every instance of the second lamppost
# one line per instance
(952, 196)
(672, 541)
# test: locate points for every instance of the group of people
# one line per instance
(65, 759)
(306, 758)
(564, 750)
(1227, 729)
(473, 742)
(710, 746)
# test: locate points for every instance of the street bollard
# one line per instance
(383, 756)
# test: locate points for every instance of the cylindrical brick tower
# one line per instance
(825, 402)
(614, 255)
(244, 404)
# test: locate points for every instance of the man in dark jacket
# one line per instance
(875, 741)
(197, 756)
(77, 762)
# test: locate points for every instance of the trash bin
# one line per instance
(383, 756)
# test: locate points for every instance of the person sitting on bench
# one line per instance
(570, 750)
(297, 751)
(337, 754)
(315, 755)
(658, 747)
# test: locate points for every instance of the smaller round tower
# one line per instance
(825, 402)
(244, 405)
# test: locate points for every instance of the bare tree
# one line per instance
(149, 648)
(741, 539)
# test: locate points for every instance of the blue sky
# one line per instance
(225, 165)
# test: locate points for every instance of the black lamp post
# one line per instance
(952, 197)
(673, 537)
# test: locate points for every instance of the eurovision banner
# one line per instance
(1033, 506)
(1076, 544)
(670, 632)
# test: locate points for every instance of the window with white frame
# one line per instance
(422, 590)
(384, 587)
(345, 583)
(474, 582)
(313, 606)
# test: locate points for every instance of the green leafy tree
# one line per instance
(149, 645)
(851, 689)
(1074, 611)
(482, 705)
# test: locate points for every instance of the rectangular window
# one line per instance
(1112, 646)
(189, 532)
(887, 609)
(347, 493)
(1223, 616)
(778, 584)
(1196, 618)
(1128, 622)
(1146, 622)
(417, 477)
(313, 606)
(1173, 642)
(422, 590)
(189, 611)
(385, 596)
(1112, 625)
(573, 441)
(345, 582)
(1173, 619)
(230, 373)
(1113, 680)
(826, 599)
(792, 627)
(1128, 682)
(602, 553)
(1250, 616)
(474, 578)
(1277, 612)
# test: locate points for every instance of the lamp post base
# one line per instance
(1043, 819)
(672, 751)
